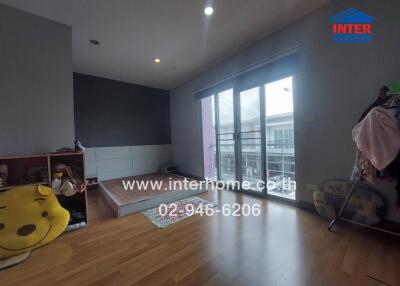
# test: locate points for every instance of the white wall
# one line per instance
(337, 82)
(123, 161)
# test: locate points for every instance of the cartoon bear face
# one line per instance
(30, 217)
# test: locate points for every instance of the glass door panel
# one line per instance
(280, 151)
(226, 136)
(250, 139)
(209, 141)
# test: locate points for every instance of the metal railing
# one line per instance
(280, 156)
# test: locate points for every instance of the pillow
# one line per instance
(365, 206)
(30, 217)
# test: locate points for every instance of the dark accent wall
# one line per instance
(114, 113)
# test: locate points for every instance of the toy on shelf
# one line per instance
(78, 146)
(64, 182)
(68, 179)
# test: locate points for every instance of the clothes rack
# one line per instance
(389, 95)
(345, 203)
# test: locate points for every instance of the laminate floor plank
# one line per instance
(284, 246)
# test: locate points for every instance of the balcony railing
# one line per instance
(280, 160)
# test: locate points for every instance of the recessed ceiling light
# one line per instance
(157, 60)
(209, 10)
(94, 42)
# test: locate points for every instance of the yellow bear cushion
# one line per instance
(30, 217)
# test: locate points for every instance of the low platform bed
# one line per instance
(124, 202)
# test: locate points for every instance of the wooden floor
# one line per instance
(283, 246)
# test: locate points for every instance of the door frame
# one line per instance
(238, 156)
(217, 133)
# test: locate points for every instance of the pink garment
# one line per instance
(368, 170)
(378, 137)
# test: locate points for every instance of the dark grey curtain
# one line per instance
(276, 70)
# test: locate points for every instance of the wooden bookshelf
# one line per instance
(39, 170)
(26, 170)
(31, 184)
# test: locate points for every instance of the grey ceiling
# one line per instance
(133, 32)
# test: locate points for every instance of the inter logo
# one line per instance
(352, 25)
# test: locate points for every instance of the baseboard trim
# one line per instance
(307, 206)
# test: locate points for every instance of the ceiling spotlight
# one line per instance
(157, 60)
(94, 42)
(209, 10)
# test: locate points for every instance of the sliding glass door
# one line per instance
(250, 137)
(280, 148)
(226, 135)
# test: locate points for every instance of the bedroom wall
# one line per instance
(113, 113)
(36, 100)
(337, 81)
(125, 126)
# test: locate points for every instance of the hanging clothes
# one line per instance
(381, 100)
(369, 172)
(378, 137)
(392, 102)
(383, 140)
